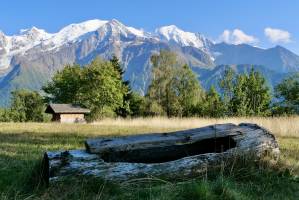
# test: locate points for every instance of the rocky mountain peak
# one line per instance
(29, 59)
(3, 39)
(34, 34)
(176, 35)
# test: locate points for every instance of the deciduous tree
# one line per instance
(97, 86)
(174, 86)
(251, 95)
(288, 94)
(26, 106)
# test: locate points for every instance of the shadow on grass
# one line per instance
(243, 178)
(20, 176)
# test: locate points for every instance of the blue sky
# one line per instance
(264, 23)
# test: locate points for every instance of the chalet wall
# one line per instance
(72, 118)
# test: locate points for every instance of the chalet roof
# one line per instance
(66, 108)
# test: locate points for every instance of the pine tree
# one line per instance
(124, 110)
(117, 66)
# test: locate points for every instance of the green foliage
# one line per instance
(251, 95)
(227, 84)
(97, 86)
(213, 106)
(245, 94)
(239, 101)
(288, 92)
(65, 85)
(26, 106)
(137, 105)
(117, 66)
(189, 90)
(101, 89)
(159, 91)
(154, 109)
(174, 90)
(125, 109)
(5, 115)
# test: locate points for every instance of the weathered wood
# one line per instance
(182, 153)
(146, 141)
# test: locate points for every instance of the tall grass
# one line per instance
(22, 146)
(280, 126)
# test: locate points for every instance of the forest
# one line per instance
(174, 91)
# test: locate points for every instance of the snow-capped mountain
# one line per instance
(73, 32)
(30, 58)
(174, 34)
(29, 38)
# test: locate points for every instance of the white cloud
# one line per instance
(225, 36)
(240, 37)
(277, 35)
(237, 36)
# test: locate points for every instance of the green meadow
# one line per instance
(22, 146)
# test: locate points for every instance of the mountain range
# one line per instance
(29, 59)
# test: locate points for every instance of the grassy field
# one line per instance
(22, 146)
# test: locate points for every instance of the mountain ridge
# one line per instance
(29, 59)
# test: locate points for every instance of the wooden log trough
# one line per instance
(171, 155)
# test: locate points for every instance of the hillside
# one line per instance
(211, 77)
(29, 59)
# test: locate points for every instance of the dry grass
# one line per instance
(280, 126)
(23, 144)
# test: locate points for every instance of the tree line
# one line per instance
(174, 91)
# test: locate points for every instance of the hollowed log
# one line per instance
(173, 155)
(169, 153)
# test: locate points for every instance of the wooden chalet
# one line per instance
(67, 113)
